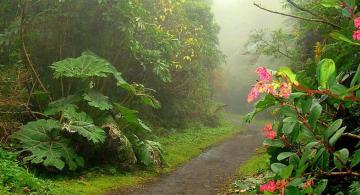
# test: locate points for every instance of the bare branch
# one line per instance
(298, 17)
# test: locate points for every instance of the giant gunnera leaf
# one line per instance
(87, 65)
(81, 123)
(97, 100)
(43, 140)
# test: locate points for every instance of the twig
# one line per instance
(31, 65)
(352, 135)
(297, 17)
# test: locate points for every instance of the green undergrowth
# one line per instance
(255, 165)
(250, 174)
(178, 148)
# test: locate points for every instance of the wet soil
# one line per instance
(207, 173)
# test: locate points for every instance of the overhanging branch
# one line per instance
(298, 17)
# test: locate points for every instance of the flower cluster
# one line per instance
(356, 35)
(271, 186)
(267, 85)
(269, 132)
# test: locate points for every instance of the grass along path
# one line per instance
(178, 148)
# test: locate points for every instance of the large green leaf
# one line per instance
(62, 104)
(326, 73)
(87, 65)
(131, 116)
(43, 140)
(97, 100)
(81, 123)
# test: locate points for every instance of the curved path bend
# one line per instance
(207, 173)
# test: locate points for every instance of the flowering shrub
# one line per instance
(312, 144)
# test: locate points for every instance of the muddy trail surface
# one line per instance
(207, 173)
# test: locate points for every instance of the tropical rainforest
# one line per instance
(89, 86)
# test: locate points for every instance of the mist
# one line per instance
(237, 19)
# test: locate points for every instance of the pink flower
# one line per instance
(268, 127)
(264, 75)
(254, 93)
(356, 35)
(270, 187)
(270, 134)
(357, 22)
(285, 90)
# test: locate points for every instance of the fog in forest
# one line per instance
(237, 19)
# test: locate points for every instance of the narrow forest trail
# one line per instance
(207, 173)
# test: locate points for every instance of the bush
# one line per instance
(15, 179)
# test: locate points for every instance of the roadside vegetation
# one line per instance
(103, 179)
(104, 83)
(313, 143)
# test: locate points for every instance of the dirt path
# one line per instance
(208, 172)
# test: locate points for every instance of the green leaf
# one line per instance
(355, 159)
(85, 66)
(326, 73)
(339, 90)
(330, 3)
(43, 140)
(311, 145)
(130, 116)
(296, 182)
(336, 136)
(332, 128)
(273, 143)
(356, 78)
(289, 125)
(285, 155)
(285, 172)
(341, 157)
(297, 95)
(306, 104)
(292, 190)
(321, 186)
(340, 37)
(287, 72)
(81, 123)
(62, 104)
(276, 167)
(315, 114)
(97, 100)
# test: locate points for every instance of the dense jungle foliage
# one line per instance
(82, 82)
(313, 143)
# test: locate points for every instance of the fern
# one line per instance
(42, 138)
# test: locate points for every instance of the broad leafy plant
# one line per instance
(89, 118)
